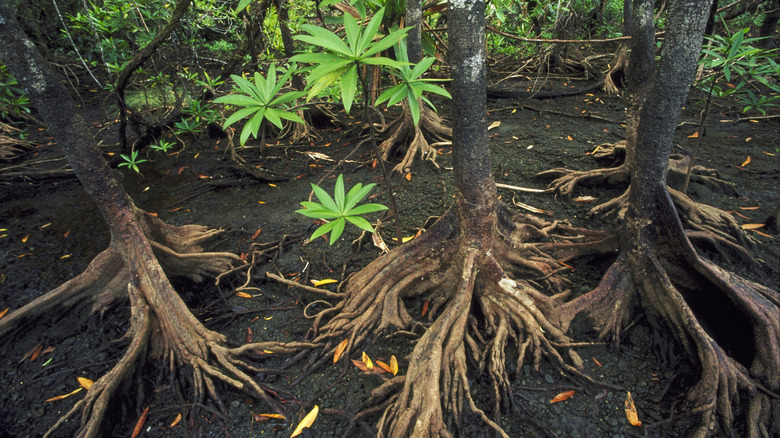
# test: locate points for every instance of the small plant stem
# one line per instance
(385, 180)
(702, 119)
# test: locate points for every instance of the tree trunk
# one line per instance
(413, 19)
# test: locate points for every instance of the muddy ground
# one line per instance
(52, 230)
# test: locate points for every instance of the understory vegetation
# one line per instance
(484, 291)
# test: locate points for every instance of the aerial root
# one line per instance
(702, 217)
(566, 181)
(405, 139)
(723, 378)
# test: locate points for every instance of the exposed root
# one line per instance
(161, 325)
(453, 275)
(726, 326)
(405, 139)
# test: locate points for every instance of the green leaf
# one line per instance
(338, 193)
(323, 38)
(338, 228)
(387, 94)
(360, 222)
(387, 42)
(325, 198)
(414, 107)
(242, 4)
(238, 99)
(365, 208)
(353, 32)
(240, 114)
(422, 67)
(349, 87)
(323, 229)
(370, 31)
(272, 116)
(287, 115)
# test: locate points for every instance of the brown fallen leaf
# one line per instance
(340, 350)
(562, 396)
(630, 409)
(360, 365)
(249, 336)
(307, 421)
(139, 425)
(176, 420)
(384, 366)
(763, 234)
(425, 308)
(257, 233)
(749, 208)
(36, 352)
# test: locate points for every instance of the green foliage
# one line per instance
(162, 146)
(189, 126)
(342, 59)
(412, 85)
(734, 59)
(12, 98)
(341, 207)
(132, 161)
(261, 100)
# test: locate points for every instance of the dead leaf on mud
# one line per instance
(379, 242)
(340, 350)
(85, 383)
(60, 397)
(494, 125)
(307, 421)
(747, 161)
(393, 365)
(243, 295)
(140, 424)
(325, 281)
(367, 361)
(32, 353)
(630, 409)
(384, 366)
(360, 365)
(2, 314)
(584, 199)
(176, 420)
(562, 396)
(425, 308)
(751, 226)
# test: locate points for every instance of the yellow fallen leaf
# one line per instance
(24, 239)
(694, 135)
(325, 281)
(176, 420)
(514, 110)
(2, 314)
(631, 413)
(274, 416)
(568, 137)
(747, 161)
(340, 350)
(243, 295)
(307, 421)
(272, 185)
(60, 397)
(404, 239)
(393, 365)
(409, 176)
(751, 226)
(84, 382)
(367, 361)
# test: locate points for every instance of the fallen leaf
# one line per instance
(340, 350)
(325, 281)
(307, 421)
(360, 365)
(140, 424)
(631, 413)
(249, 336)
(514, 110)
(85, 383)
(384, 366)
(749, 138)
(264, 417)
(379, 242)
(584, 199)
(568, 137)
(694, 135)
(24, 239)
(257, 233)
(751, 226)
(272, 185)
(768, 153)
(747, 161)
(393, 365)
(31, 351)
(494, 125)
(740, 215)
(367, 361)
(404, 239)
(749, 208)
(60, 397)
(562, 396)
(409, 176)
(176, 420)
(597, 362)
(36, 352)
(2, 314)
(763, 234)
(568, 266)
(425, 308)
(243, 295)
(45, 225)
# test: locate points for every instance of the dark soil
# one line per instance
(51, 230)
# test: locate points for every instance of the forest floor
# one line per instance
(51, 230)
